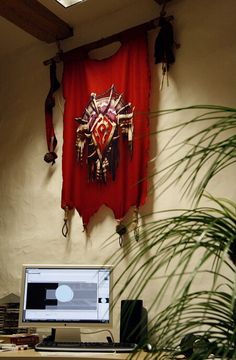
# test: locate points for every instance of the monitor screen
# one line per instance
(64, 295)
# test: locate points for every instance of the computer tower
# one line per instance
(133, 322)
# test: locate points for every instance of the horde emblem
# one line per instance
(106, 118)
(102, 132)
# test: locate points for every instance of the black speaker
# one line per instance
(133, 322)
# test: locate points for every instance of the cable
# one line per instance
(98, 331)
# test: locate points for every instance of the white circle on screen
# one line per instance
(64, 293)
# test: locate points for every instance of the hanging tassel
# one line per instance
(65, 227)
(135, 223)
(51, 156)
(121, 230)
(164, 43)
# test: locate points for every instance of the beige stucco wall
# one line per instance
(30, 215)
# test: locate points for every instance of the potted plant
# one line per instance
(178, 249)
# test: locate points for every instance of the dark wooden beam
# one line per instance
(36, 19)
(161, 2)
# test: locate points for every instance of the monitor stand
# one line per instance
(66, 334)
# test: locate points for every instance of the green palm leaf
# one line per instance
(213, 146)
(177, 247)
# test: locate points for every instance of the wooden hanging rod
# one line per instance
(126, 34)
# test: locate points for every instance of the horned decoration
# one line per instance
(105, 120)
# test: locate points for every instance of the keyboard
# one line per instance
(105, 347)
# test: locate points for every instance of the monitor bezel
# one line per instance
(58, 324)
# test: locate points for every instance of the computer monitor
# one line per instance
(66, 295)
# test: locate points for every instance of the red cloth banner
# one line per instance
(85, 79)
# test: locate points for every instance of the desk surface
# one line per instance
(32, 354)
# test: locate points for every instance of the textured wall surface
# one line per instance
(30, 215)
